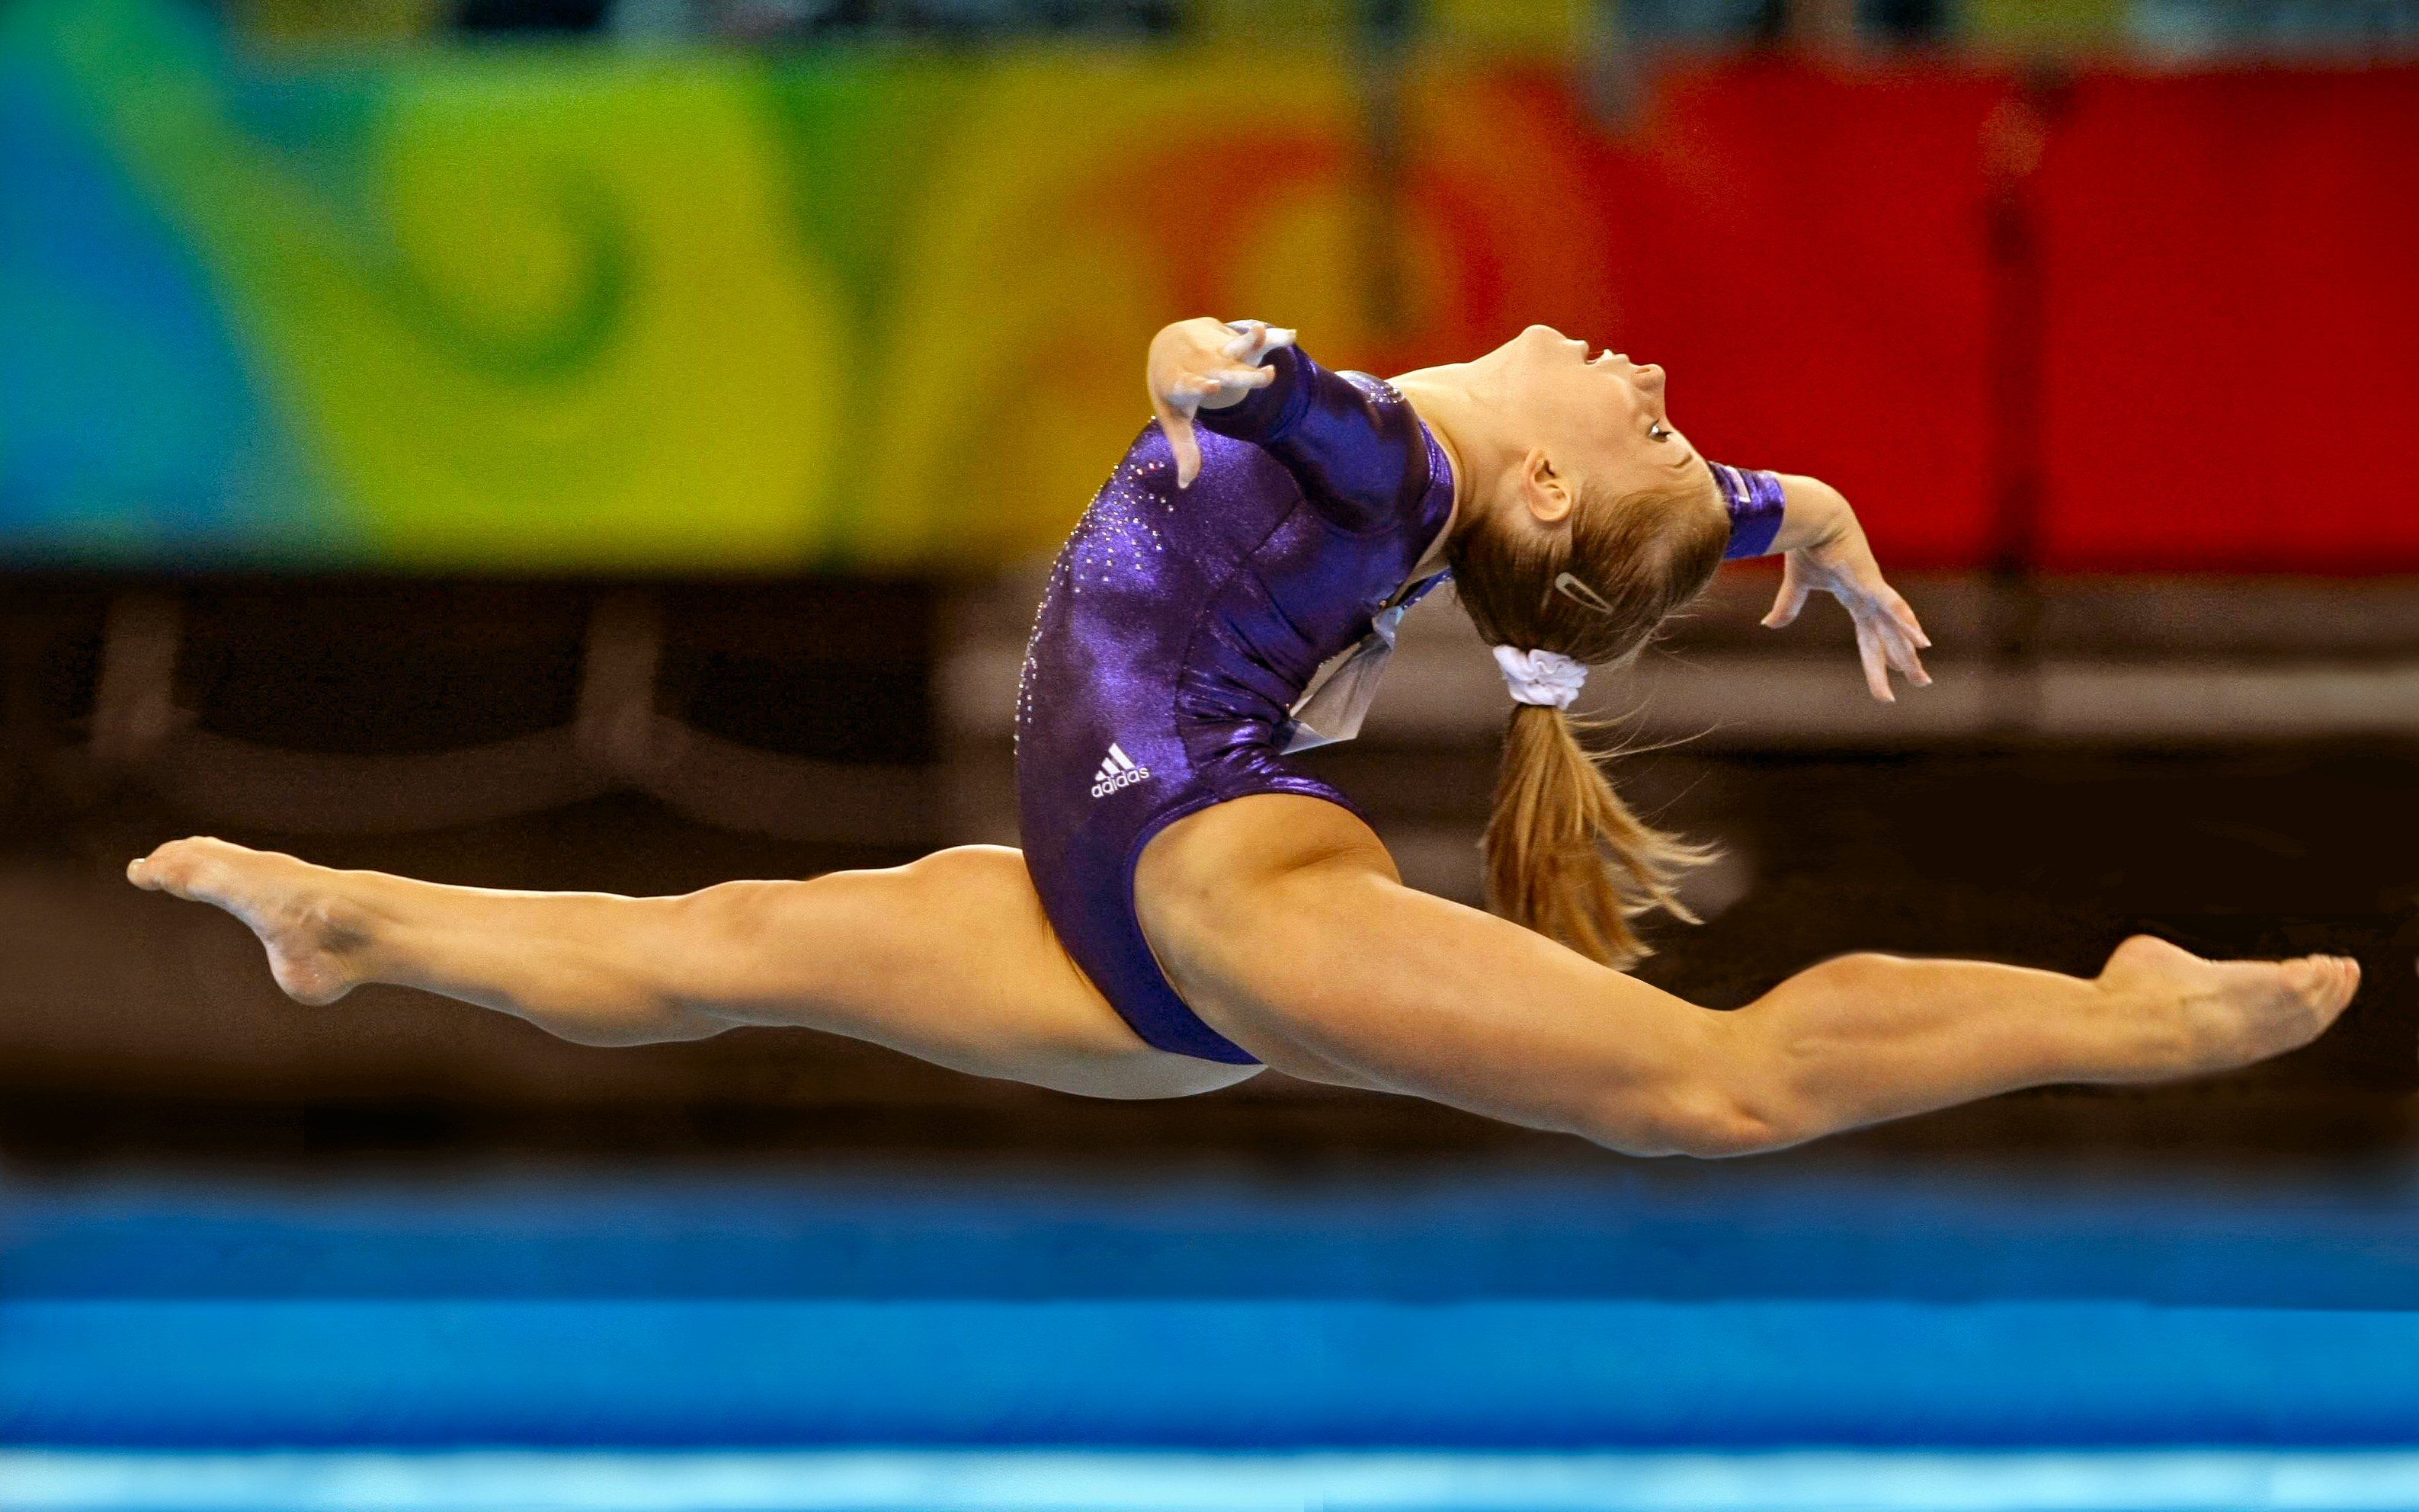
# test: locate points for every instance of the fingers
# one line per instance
(1254, 339)
(1869, 650)
(1901, 649)
(1904, 634)
(1192, 367)
(1211, 384)
(1175, 423)
(1245, 344)
(1905, 617)
(1790, 600)
(1883, 646)
(1888, 637)
(1910, 663)
(1185, 396)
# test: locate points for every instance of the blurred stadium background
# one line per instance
(614, 443)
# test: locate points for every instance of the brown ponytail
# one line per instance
(1564, 855)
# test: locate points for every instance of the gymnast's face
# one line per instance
(1590, 422)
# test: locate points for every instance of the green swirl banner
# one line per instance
(534, 308)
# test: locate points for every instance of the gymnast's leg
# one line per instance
(949, 959)
(1283, 922)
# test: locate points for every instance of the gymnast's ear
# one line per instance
(1550, 494)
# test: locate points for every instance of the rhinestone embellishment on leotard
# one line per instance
(1113, 539)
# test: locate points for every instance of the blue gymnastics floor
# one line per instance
(1645, 1336)
(1124, 1481)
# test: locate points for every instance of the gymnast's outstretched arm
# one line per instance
(1283, 923)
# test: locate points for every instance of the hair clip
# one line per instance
(1581, 594)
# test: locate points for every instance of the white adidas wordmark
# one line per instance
(1117, 771)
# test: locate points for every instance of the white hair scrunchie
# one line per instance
(1546, 678)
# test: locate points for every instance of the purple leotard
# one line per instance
(1179, 629)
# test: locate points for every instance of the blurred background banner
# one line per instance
(662, 311)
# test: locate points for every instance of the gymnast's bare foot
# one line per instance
(315, 937)
(2232, 1012)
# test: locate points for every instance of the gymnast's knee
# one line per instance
(1855, 975)
(1747, 1090)
(1707, 1121)
(1732, 1098)
(728, 911)
(873, 914)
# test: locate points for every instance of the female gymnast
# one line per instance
(1189, 906)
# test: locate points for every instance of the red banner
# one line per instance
(2204, 290)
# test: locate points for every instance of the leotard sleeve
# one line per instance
(1756, 504)
(1350, 439)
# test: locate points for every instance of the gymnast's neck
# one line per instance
(1465, 419)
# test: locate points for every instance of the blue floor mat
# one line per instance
(1046, 1481)
(1733, 1308)
(1214, 1374)
(1631, 1229)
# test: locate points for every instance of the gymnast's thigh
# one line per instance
(1201, 896)
(1283, 924)
(949, 958)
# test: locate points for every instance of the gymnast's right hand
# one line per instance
(1206, 365)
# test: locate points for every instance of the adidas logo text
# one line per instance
(1117, 771)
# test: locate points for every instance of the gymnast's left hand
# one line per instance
(1837, 560)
